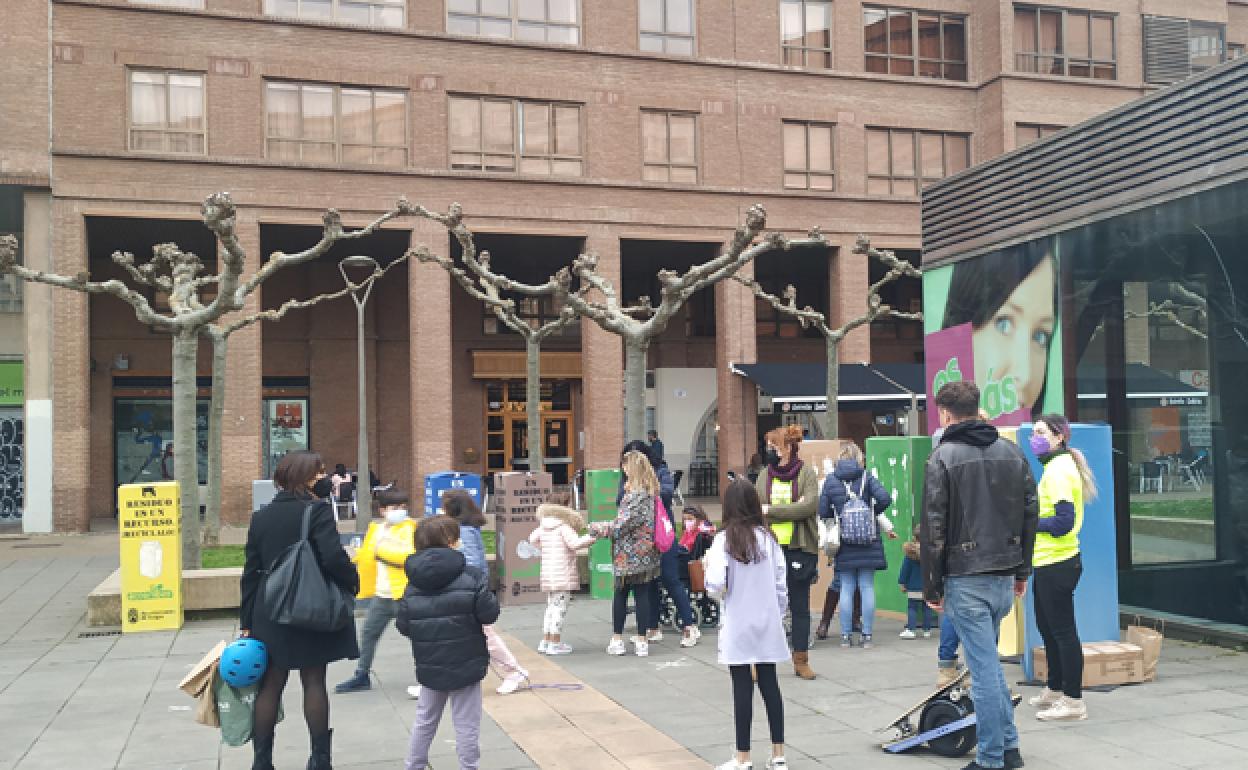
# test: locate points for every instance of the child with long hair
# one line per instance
(747, 567)
(460, 506)
(558, 536)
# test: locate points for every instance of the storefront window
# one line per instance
(143, 448)
(285, 429)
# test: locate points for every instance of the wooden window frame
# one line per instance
(915, 136)
(374, 6)
(803, 50)
(916, 59)
(1042, 130)
(515, 23)
(666, 36)
(807, 172)
(1062, 55)
(167, 131)
(669, 165)
(518, 155)
(337, 140)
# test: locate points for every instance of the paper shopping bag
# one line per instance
(1149, 640)
(206, 704)
(200, 676)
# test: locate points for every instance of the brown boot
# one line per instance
(801, 665)
(829, 607)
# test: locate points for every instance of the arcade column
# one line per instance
(736, 397)
(602, 369)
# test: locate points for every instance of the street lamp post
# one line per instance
(363, 486)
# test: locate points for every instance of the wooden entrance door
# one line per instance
(506, 423)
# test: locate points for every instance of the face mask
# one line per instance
(396, 516)
(772, 457)
(1039, 445)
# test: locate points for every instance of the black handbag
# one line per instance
(299, 594)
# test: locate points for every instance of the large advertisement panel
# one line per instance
(994, 319)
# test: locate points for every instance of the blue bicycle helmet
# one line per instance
(243, 662)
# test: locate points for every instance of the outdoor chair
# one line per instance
(676, 477)
(1151, 476)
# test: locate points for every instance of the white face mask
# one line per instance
(396, 516)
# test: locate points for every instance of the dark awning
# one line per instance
(1144, 384)
(806, 383)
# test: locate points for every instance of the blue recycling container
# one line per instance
(438, 484)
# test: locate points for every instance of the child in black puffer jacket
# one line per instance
(442, 611)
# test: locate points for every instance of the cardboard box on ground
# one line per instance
(514, 505)
(1104, 663)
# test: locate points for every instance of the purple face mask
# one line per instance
(1039, 445)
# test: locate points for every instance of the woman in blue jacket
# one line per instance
(856, 565)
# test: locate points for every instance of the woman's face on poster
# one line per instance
(1014, 342)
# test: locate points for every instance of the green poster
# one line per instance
(897, 461)
(12, 391)
(601, 488)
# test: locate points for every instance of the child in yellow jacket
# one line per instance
(380, 559)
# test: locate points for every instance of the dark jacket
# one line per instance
(441, 612)
(910, 576)
(979, 508)
(832, 500)
(274, 528)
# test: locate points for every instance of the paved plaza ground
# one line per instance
(69, 701)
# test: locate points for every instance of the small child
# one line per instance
(380, 560)
(559, 541)
(460, 506)
(910, 580)
(443, 612)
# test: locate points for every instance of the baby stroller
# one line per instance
(705, 609)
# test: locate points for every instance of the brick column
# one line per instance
(70, 349)
(602, 368)
(429, 300)
(735, 342)
(847, 292)
(39, 368)
(242, 439)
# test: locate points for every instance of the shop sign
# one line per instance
(12, 390)
(796, 407)
(151, 556)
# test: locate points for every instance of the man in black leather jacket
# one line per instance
(977, 532)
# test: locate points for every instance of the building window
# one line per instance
(512, 135)
(1178, 48)
(542, 21)
(172, 3)
(336, 124)
(1234, 50)
(167, 112)
(902, 161)
(669, 147)
(1026, 133)
(809, 153)
(371, 13)
(1051, 41)
(806, 33)
(925, 43)
(666, 26)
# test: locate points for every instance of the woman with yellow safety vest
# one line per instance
(380, 560)
(1064, 486)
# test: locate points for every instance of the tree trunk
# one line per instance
(831, 418)
(635, 387)
(533, 403)
(185, 455)
(216, 425)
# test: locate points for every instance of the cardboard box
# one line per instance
(516, 498)
(1104, 663)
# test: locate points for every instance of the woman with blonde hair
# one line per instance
(789, 490)
(634, 556)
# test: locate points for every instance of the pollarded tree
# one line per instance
(638, 326)
(834, 336)
(180, 275)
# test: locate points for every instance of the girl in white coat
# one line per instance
(559, 539)
(746, 566)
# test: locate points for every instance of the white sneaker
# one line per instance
(691, 637)
(512, 683)
(558, 648)
(733, 764)
(907, 634)
(654, 635)
(642, 649)
(413, 692)
(777, 763)
(616, 647)
(927, 634)
(543, 645)
(1045, 699)
(1065, 710)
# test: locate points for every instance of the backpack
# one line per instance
(857, 520)
(664, 534)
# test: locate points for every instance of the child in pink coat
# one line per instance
(559, 539)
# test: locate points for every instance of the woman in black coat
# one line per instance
(275, 528)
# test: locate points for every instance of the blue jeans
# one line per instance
(919, 614)
(669, 563)
(863, 581)
(948, 649)
(976, 605)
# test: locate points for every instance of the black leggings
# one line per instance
(743, 702)
(315, 700)
(619, 607)
(1055, 617)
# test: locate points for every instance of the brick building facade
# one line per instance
(638, 129)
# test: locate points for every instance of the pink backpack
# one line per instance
(664, 534)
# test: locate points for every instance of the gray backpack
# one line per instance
(857, 519)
